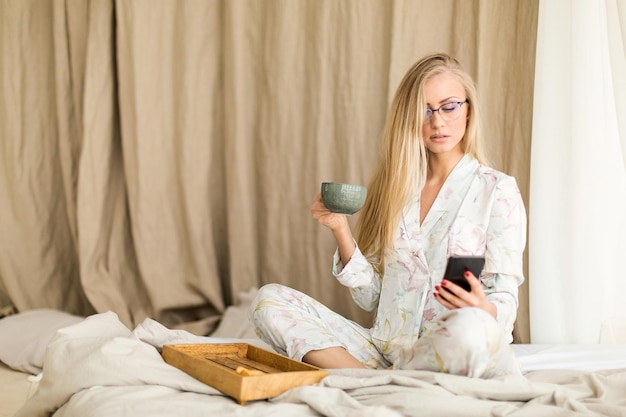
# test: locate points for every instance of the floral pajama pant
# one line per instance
(465, 341)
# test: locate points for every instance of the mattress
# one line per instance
(588, 358)
(15, 388)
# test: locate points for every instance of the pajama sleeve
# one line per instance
(506, 240)
(359, 276)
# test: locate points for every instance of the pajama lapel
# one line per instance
(446, 206)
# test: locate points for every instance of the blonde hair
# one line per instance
(403, 161)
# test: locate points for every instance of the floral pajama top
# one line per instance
(478, 211)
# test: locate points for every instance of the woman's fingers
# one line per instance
(324, 216)
(452, 296)
(455, 296)
(441, 298)
(317, 204)
(475, 286)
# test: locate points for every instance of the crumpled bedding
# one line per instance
(100, 368)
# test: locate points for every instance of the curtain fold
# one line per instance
(168, 101)
(159, 158)
(578, 175)
(107, 255)
(39, 266)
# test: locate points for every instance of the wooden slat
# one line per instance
(258, 365)
(226, 361)
(233, 362)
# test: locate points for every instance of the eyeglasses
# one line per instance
(448, 111)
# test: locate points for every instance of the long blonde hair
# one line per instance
(403, 162)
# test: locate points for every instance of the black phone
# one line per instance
(457, 265)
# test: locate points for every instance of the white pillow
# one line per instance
(25, 336)
(234, 322)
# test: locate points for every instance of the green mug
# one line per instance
(343, 198)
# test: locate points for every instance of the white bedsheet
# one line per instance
(572, 357)
(101, 368)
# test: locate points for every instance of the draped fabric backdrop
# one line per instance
(578, 176)
(157, 158)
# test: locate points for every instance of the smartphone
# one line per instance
(457, 265)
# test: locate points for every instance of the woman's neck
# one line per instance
(440, 166)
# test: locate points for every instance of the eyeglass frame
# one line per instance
(428, 117)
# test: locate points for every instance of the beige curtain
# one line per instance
(159, 157)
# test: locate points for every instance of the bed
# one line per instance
(98, 367)
(15, 389)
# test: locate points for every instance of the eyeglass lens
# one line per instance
(448, 111)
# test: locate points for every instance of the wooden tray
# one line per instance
(241, 371)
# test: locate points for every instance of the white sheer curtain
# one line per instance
(577, 207)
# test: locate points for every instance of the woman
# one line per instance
(431, 196)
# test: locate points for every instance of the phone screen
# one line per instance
(457, 265)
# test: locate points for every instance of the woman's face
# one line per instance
(443, 134)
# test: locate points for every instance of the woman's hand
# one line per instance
(339, 225)
(452, 296)
(334, 221)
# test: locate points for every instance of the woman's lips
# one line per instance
(438, 138)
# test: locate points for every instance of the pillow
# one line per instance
(25, 336)
(234, 322)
